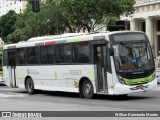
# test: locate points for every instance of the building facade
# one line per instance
(147, 19)
(17, 5)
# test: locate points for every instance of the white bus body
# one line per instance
(101, 72)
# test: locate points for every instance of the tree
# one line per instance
(87, 14)
(59, 16)
(7, 24)
(16, 36)
(48, 21)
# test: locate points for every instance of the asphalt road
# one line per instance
(15, 99)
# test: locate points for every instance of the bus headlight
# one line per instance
(153, 76)
(121, 80)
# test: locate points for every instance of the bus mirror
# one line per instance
(111, 52)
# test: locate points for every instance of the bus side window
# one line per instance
(5, 58)
(63, 53)
(32, 55)
(21, 56)
(43, 55)
(11, 58)
(81, 53)
(47, 55)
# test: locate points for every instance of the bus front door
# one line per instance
(11, 68)
(100, 55)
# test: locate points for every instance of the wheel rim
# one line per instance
(30, 86)
(88, 89)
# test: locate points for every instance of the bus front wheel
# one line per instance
(30, 86)
(87, 89)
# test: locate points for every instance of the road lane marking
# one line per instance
(12, 95)
(5, 89)
(157, 89)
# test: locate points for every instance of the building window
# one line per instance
(158, 45)
(143, 26)
(158, 6)
(145, 8)
(158, 25)
(141, 8)
(148, 8)
(153, 7)
(137, 10)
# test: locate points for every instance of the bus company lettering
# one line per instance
(75, 72)
(32, 72)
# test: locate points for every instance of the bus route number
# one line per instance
(75, 72)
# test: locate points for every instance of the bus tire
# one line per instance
(123, 95)
(87, 89)
(30, 86)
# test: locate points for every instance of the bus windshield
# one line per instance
(133, 56)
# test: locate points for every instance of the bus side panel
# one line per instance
(56, 77)
(31, 71)
(44, 74)
(68, 76)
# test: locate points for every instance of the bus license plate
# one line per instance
(140, 87)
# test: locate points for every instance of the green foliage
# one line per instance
(7, 24)
(48, 21)
(87, 13)
(16, 36)
(59, 16)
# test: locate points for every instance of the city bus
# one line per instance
(109, 63)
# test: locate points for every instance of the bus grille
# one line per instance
(141, 75)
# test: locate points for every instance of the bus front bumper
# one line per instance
(121, 89)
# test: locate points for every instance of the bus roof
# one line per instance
(64, 38)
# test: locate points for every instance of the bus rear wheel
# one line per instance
(30, 86)
(87, 89)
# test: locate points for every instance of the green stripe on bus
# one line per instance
(55, 75)
(91, 75)
(73, 40)
(138, 81)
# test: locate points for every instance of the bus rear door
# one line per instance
(12, 67)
